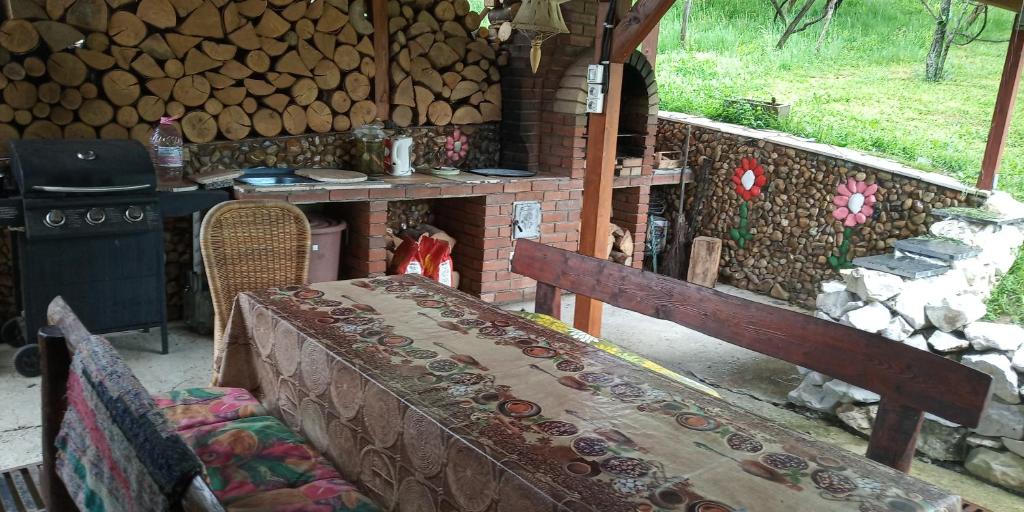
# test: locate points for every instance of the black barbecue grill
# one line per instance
(86, 226)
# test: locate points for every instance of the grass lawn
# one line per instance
(864, 89)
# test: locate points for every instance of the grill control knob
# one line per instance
(95, 216)
(54, 218)
(134, 214)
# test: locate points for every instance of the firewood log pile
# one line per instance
(620, 241)
(444, 66)
(231, 69)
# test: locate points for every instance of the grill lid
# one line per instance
(46, 167)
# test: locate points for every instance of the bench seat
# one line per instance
(253, 462)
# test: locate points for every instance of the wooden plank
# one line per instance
(55, 362)
(705, 256)
(548, 301)
(1003, 112)
(894, 434)
(634, 27)
(860, 358)
(381, 56)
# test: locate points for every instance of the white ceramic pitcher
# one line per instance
(401, 155)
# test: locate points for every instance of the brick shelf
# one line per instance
(479, 217)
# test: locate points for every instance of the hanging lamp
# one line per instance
(539, 20)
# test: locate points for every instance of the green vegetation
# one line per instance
(865, 89)
(1007, 301)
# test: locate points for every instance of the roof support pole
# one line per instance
(1003, 112)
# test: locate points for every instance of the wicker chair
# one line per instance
(251, 245)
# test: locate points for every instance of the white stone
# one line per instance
(957, 229)
(995, 443)
(999, 246)
(816, 378)
(822, 316)
(1003, 204)
(1002, 468)
(978, 273)
(1002, 420)
(951, 313)
(1018, 360)
(1013, 445)
(993, 336)
(871, 318)
(917, 341)
(837, 304)
(1004, 379)
(898, 329)
(872, 285)
(944, 343)
(858, 417)
(813, 397)
(910, 305)
(833, 286)
(942, 442)
(848, 393)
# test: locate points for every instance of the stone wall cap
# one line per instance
(804, 144)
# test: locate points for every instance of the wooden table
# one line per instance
(435, 401)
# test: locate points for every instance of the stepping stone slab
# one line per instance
(938, 248)
(910, 268)
(975, 215)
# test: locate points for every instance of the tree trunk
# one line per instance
(831, 10)
(795, 22)
(686, 22)
(937, 53)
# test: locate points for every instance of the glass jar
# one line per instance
(369, 155)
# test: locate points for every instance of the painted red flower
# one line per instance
(855, 202)
(749, 178)
(456, 146)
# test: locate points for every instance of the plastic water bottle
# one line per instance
(167, 151)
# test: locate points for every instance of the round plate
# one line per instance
(332, 175)
(507, 173)
(517, 408)
(445, 171)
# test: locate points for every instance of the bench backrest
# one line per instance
(105, 443)
(910, 381)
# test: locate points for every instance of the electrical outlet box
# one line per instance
(595, 99)
(595, 74)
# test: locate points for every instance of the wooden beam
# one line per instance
(381, 56)
(894, 434)
(634, 27)
(55, 362)
(1003, 112)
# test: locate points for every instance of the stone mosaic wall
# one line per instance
(775, 206)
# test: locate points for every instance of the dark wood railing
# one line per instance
(910, 381)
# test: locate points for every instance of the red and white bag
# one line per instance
(436, 257)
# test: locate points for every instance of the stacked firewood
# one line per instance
(229, 68)
(444, 66)
(620, 241)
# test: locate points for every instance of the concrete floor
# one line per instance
(755, 382)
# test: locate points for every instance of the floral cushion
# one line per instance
(252, 455)
(194, 407)
(331, 495)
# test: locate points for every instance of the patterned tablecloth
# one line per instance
(436, 401)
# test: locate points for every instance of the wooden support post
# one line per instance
(548, 301)
(55, 362)
(894, 434)
(1003, 112)
(381, 59)
(602, 143)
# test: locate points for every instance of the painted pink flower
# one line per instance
(456, 146)
(855, 202)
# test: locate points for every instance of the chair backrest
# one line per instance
(106, 444)
(251, 245)
(910, 381)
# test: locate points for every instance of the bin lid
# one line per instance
(319, 224)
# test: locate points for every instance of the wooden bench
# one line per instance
(182, 419)
(910, 381)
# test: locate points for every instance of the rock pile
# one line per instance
(942, 314)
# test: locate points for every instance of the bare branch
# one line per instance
(930, 10)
